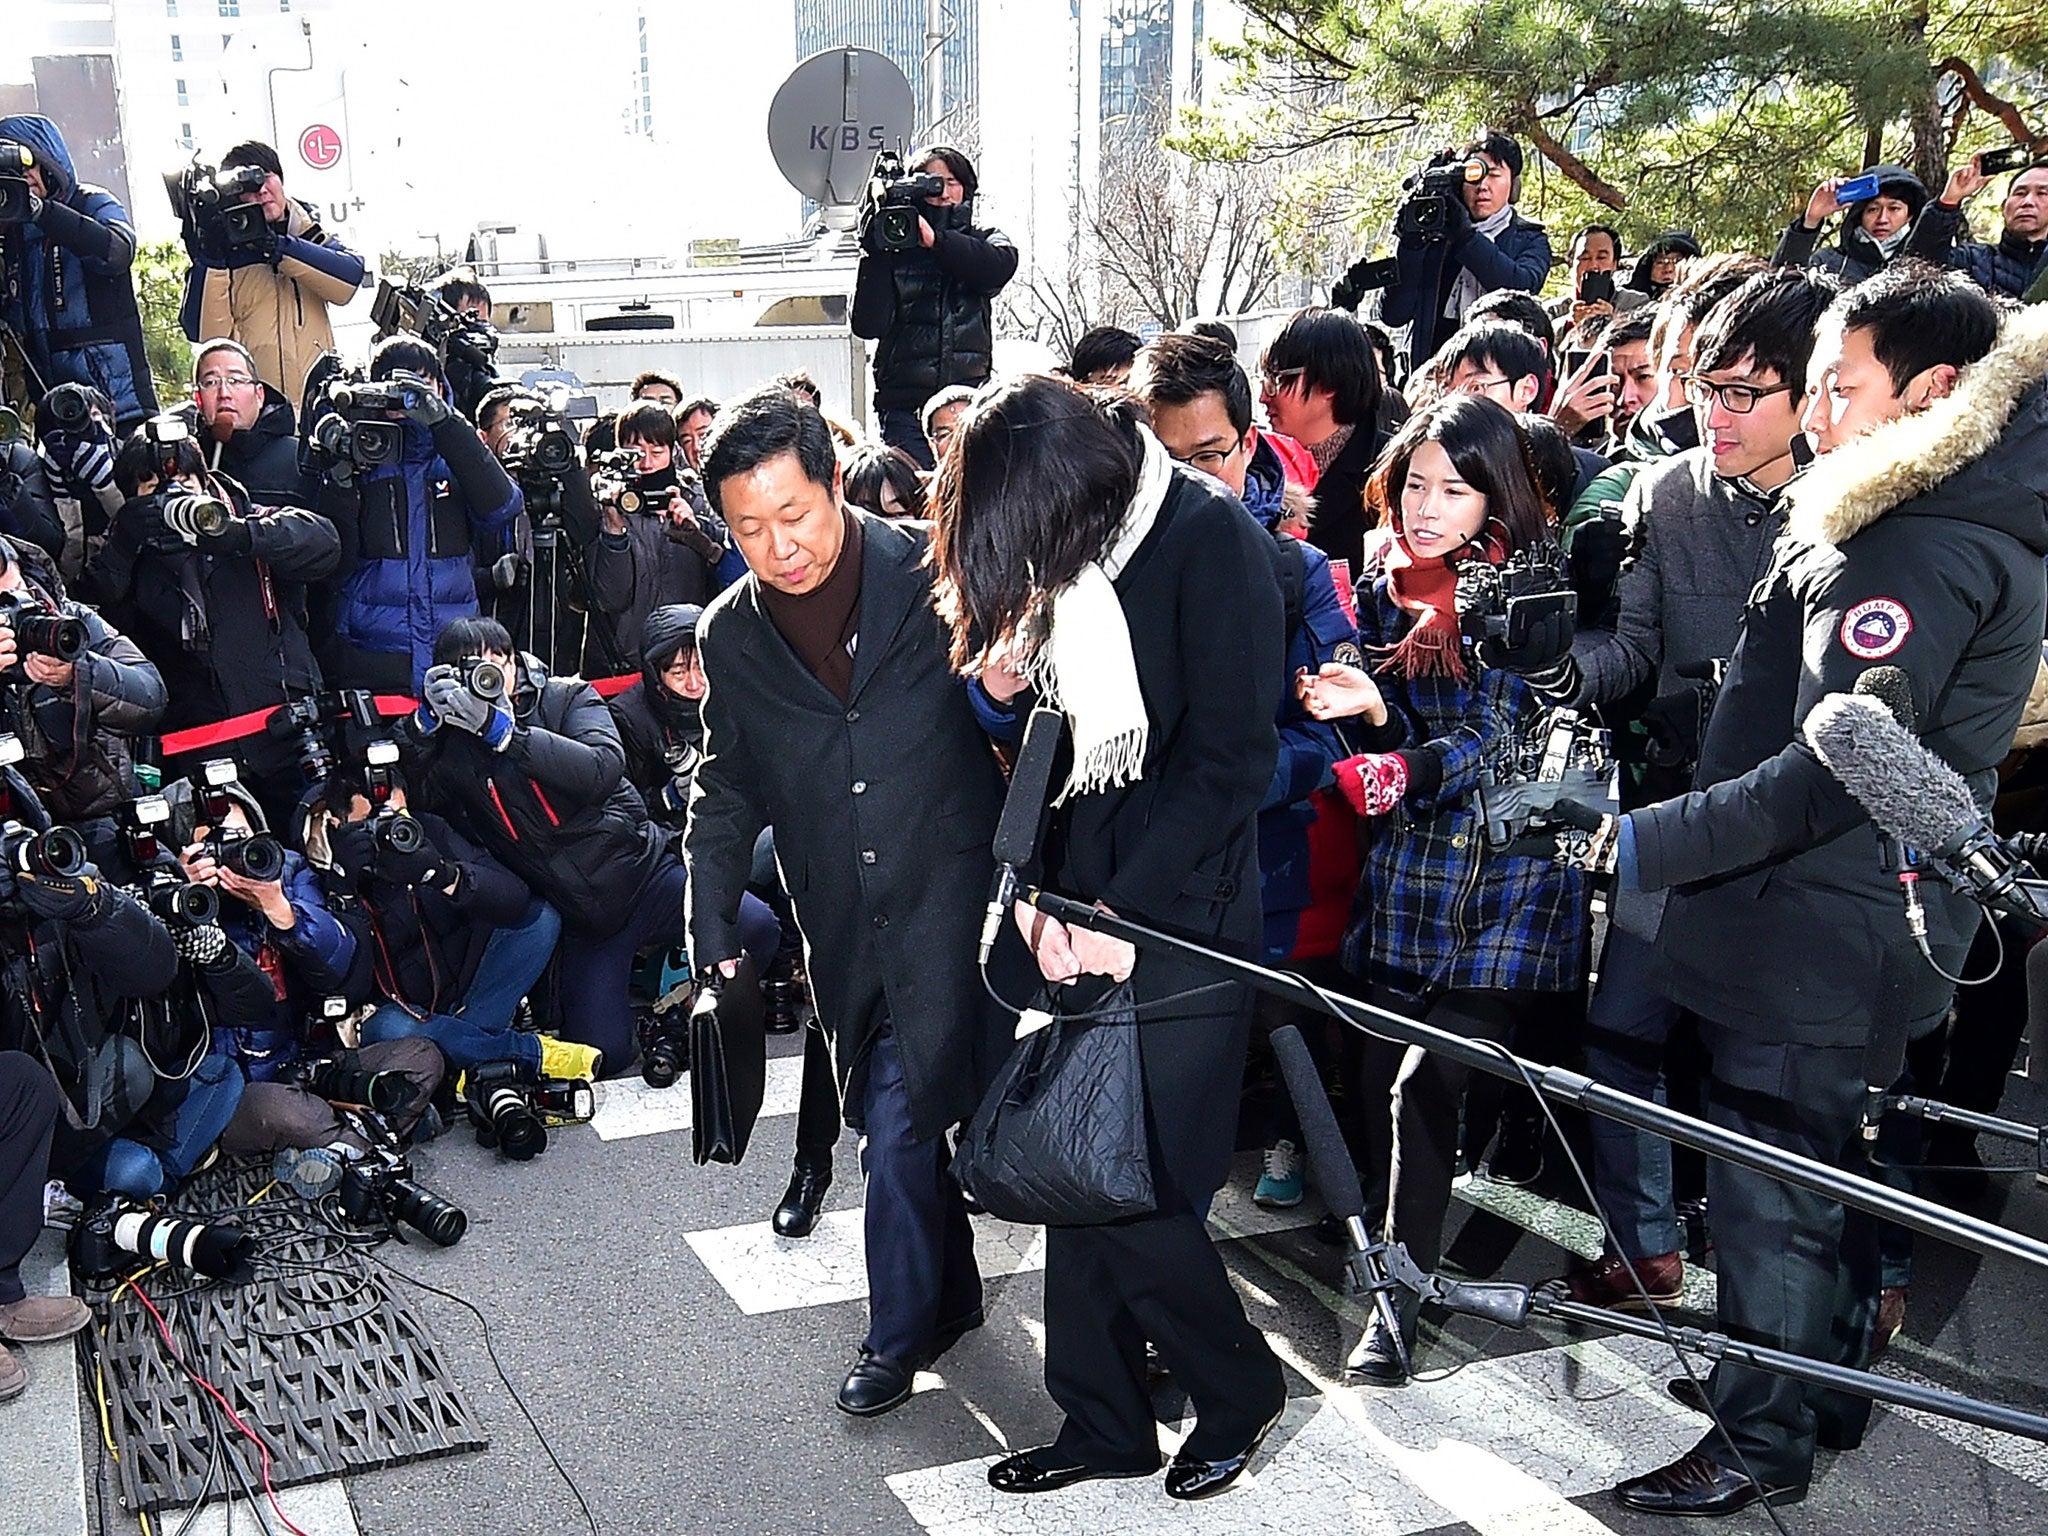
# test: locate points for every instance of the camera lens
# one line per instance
(257, 858)
(487, 680)
(400, 834)
(191, 906)
(428, 1214)
(59, 851)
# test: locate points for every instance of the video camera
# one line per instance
(1426, 212)
(1503, 601)
(352, 427)
(616, 481)
(537, 445)
(895, 202)
(209, 204)
(463, 341)
(16, 198)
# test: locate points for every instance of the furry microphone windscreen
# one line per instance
(1909, 792)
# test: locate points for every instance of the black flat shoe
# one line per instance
(1688, 1393)
(1190, 1477)
(804, 1198)
(1698, 1485)
(1042, 1470)
(1377, 1359)
(874, 1385)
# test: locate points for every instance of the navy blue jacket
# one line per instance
(2002, 269)
(1519, 257)
(406, 530)
(307, 961)
(67, 290)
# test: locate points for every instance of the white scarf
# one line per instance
(1467, 290)
(1085, 668)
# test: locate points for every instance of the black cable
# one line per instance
(483, 1324)
(1337, 1011)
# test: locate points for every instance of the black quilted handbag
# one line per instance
(1059, 1140)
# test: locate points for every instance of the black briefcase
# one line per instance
(728, 1066)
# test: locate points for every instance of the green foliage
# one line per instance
(1713, 115)
(159, 271)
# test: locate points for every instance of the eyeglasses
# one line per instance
(226, 381)
(1210, 461)
(1483, 386)
(1736, 399)
(1279, 383)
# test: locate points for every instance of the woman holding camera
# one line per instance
(1446, 929)
(1079, 563)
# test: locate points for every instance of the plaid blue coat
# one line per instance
(1435, 909)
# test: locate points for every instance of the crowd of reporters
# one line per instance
(403, 577)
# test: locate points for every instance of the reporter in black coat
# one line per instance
(1078, 562)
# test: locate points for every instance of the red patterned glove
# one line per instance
(1374, 782)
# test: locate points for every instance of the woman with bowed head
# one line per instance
(1081, 568)
(1445, 929)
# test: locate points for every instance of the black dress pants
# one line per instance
(28, 1113)
(1110, 1288)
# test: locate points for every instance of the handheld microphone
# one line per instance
(1016, 839)
(1915, 796)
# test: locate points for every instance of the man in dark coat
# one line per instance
(2003, 268)
(1486, 245)
(1321, 386)
(65, 286)
(1917, 546)
(930, 311)
(832, 715)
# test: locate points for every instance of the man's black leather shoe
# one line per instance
(1696, 1484)
(1042, 1470)
(1190, 1477)
(874, 1385)
(804, 1198)
(1378, 1357)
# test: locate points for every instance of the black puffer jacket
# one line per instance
(1854, 256)
(420, 948)
(931, 312)
(28, 507)
(227, 631)
(75, 742)
(1919, 546)
(554, 807)
(265, 458)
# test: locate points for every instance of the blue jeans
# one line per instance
(597, 1008)
(921, 1270)
(1628, 1025)
(125, 1167)
(479, 1028)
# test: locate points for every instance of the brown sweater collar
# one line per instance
(822, 625)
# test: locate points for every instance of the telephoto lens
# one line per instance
(500, 1108)
(664, 1048)
(330, 1079)
(192, 515)
(108, 1234)
(424, 1211)
(68, 405)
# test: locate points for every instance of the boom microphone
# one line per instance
(1016, 840)
(1915, 796)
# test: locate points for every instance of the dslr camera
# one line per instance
(209, 204)
(511, 1109)
(16, 160)
(378, 1191)
(895, 202)
(40, 630)
(1426, 212)
(252, 855)
(176, 901)
(317, 725)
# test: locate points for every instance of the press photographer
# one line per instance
(264, 277)
(534, 578)
(214, 589)
(448, 939)
(73, 689)
(529, 767)
(925, 292)
(66, 292)
(1458, 236)
(452, 315)
(249, 430)
(408, 517)
(274, 910)
(75, 441)
(661, 542)
(28, 507)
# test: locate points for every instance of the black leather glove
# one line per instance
(1673, 722)
(416, 868)
(427, 408)
(233, 539)
(1599, 550)
(352, 847)
(79, 898)
(1547, 643)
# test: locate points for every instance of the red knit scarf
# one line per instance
(1428, 588)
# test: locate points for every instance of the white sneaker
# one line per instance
(60, 1208)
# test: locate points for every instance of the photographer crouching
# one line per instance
(1458, 236)
(530, 767)
(925, 292)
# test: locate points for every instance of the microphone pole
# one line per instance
(1575, 1088)
(1016, 839)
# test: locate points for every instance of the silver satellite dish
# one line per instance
(832, 116)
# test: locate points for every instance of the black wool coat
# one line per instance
(1178, 849)
(883, 806)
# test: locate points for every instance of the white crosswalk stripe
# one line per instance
(627, 1107)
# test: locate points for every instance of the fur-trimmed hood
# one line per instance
(1981, 454)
